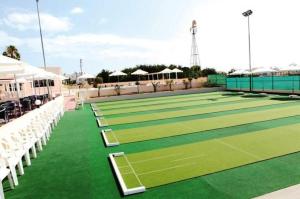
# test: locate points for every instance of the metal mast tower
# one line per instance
(81, 73)
(195, 61)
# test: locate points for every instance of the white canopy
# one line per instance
(263, 70)
(291, 68)
(86, 76)
(117, 73)
(139, 72)
(10, 66)
(176, 70)
(166, 71)
(240, 72)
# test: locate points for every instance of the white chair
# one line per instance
(11, 162)
(4, 172)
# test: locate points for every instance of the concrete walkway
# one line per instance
(292, 192)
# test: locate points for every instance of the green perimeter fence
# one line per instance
(267, 83)
(217, 79)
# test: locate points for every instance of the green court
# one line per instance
(267, 128)
(163, 166)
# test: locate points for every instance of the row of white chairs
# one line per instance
(23, 137)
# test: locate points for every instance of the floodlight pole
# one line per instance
(42, 43)
(247, 14)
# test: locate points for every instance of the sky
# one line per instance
(115, 34)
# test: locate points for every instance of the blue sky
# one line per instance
(113, 34)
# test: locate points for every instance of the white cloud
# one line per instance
(28, 21)
(77, 10)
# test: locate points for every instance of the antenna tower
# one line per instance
(195, 60)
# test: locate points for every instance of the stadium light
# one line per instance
(247, 14)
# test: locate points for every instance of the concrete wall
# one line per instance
(128, 88)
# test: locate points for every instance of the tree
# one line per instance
(104, 74)
(118, 89)
(170, 83)
(12, 52)
(190, 81)
(155, 85)
(97, 81)
(186, 84)
(208, 71)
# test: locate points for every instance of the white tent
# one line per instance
(240, 72)
(176, 70)
(290, 68)
(263, 70)
(117, 74)
(166, 71)
(86, 76)
(9, 66)
(139, 72)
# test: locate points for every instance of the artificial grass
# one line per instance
(155, 99)
(198, 125)
(170, 105)
(163, 166)
(194, 111)
(197, 116)
(74, 164)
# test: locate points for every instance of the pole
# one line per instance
(42, 43)
(249, 40)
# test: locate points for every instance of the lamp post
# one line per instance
(42, 43)
(247, 14)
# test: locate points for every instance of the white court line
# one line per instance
(189, 157)
(169, 168)
(157, 158)
(133, 170)
(238, 149)
(114, 135)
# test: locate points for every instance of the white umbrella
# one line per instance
(86, 76)
(117, 74)
(176, 70)
(263, 70)
(166, 71)
(139, 72)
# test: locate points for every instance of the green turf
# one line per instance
(155, 99)
(163, 166)
(171, 105)
(195, 117)
(199, 110)
(74, 164)
(158, 102)
(186, 127)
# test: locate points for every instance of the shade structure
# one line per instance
(10, 66)
(117, 74)
(166, 71)
(263, 70)
(290, 68)
(86, 76)
(240, 72)
(176, 70)
(139, 72)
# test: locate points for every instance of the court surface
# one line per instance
(267, 128)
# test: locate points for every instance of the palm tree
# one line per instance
(12, 52)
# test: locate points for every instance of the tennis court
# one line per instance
(143, 120)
